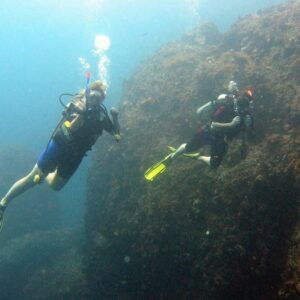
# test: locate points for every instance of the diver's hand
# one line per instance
(114, 111)
(236, 121)
(225, 126)
(117, 137)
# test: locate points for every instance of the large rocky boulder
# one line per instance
(196, 233)
(43, 265)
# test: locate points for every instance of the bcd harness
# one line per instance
(92, 118)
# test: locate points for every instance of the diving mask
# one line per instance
(95, 96)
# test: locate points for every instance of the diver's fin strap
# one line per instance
(157, 169)
(194, 155)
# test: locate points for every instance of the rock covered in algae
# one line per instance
(42, 265)
(248, 207)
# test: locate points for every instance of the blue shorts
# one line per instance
(60, 157)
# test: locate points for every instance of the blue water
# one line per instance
(41, 41)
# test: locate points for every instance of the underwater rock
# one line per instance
(42, 265)
(249, 208)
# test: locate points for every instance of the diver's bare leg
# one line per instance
(205, 159)
(22, 185)
(55, 181)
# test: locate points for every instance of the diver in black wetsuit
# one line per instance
(229, 115)
(83, 122)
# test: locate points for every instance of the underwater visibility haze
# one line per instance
(193, 232)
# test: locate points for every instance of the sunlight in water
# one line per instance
(102, 43)
(93, 6)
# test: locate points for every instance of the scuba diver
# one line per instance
(225, 118)
(84, 119)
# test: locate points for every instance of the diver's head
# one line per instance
(233, 87)
(96, 93)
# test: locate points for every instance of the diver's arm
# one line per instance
(115, 120)
(201, 109)
(113, 126)
(236, 121)
(211, 105)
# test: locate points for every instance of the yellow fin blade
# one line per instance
(172, 149)
(156, 169)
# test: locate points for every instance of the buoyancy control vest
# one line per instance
(91, 124)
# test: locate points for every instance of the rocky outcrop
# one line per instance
(196, 233)
(43, 265)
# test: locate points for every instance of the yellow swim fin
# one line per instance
(157, 169)
(172, 149)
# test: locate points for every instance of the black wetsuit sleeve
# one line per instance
(109, 127)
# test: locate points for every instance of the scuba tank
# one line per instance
(64, 126)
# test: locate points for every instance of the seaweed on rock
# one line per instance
(43, 265)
